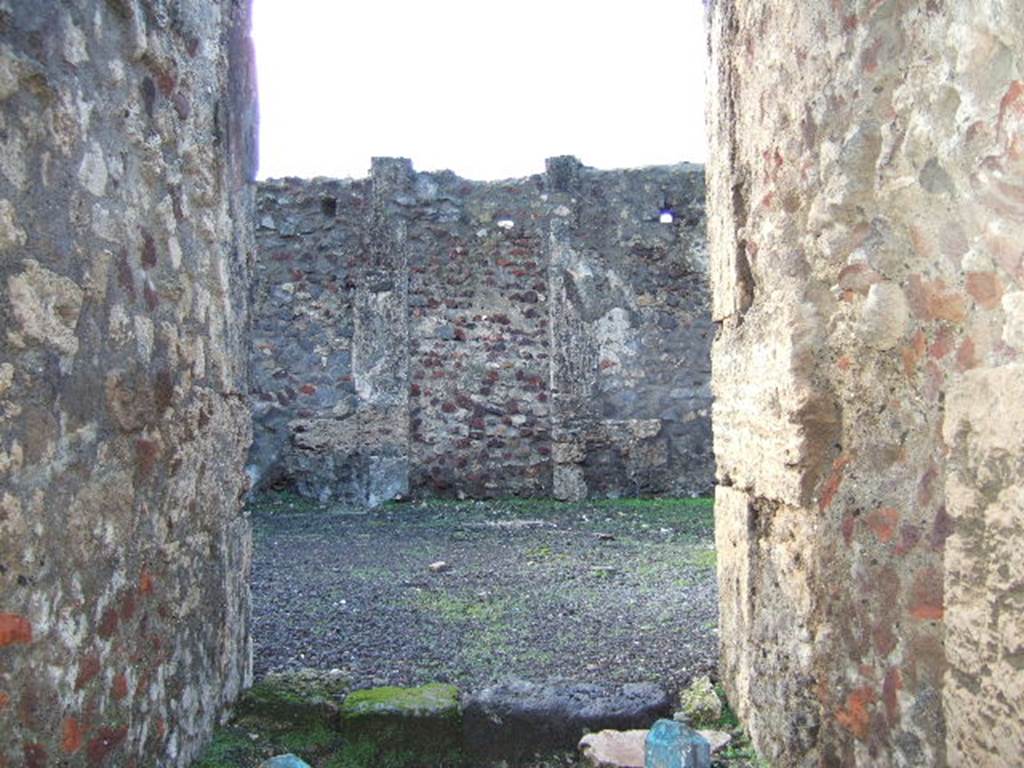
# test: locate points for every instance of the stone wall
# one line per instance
(126, 140)
(866, 227)
(420, 334)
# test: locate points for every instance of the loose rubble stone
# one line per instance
(514, 719)
(614, 749)
(625, 749)
(294, 699)
(425, 721)
(718, 740)
(699, 703)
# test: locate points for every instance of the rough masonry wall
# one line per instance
(126, 140)
(534, 336)
(866, 229)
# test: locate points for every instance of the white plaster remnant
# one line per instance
(75, 50)
(6, 377)
(8, 73)
(93, 170)
(45, 306)
(884, 316)
(11, 235)
(1013, 331)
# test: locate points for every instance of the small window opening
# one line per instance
(666, 216)
(506, 223)
(329, 206)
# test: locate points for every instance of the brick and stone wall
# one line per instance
(866, 221)
(126, 141)
(421, 334)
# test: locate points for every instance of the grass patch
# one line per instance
(459, 609)
(231, 748)
(700, 504)
(307, 741)
(705, 559)
(740, 750)
(283, 503)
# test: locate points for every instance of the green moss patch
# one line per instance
(403, 727)
(306, 699)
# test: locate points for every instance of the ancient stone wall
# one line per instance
(420, 334)
(126, 141)
(866, 221)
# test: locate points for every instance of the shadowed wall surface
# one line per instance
(126, 141)
(420, 334)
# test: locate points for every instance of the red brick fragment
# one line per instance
(71, 736)
(14, 630)
(120, 686)
(890, 690)
(831, 486)
(35, 755)
(882, 523)
(108, 624)
(145, 582)
(106, 741)
(88, 668)
(926, 595)
(985, 288)
(934, 300)
(855, 715)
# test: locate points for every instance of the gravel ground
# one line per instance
(599, 591)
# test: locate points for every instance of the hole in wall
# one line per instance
(329, 206)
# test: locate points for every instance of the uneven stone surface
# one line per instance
(614, 749)
(294, 699)
(421, 334)
(865, 221)
(126, 145)
(515, 719)
(424, 722)
(531, 591)
(699, 703)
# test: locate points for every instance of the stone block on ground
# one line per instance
(515, 719)
(625, 749)
(287, 700)
(614, 749)
(405, 726)
(699, 704)
(670, 744)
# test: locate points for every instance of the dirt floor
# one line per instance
(598, 591)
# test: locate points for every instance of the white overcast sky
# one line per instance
(488, 89)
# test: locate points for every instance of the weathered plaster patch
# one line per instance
(46, 306)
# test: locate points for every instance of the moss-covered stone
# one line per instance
(699, 704)
(402, 727)
(305, 699)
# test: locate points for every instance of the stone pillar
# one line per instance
(865, 225)
(125, 242)
(380, 345)
(574, 354)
